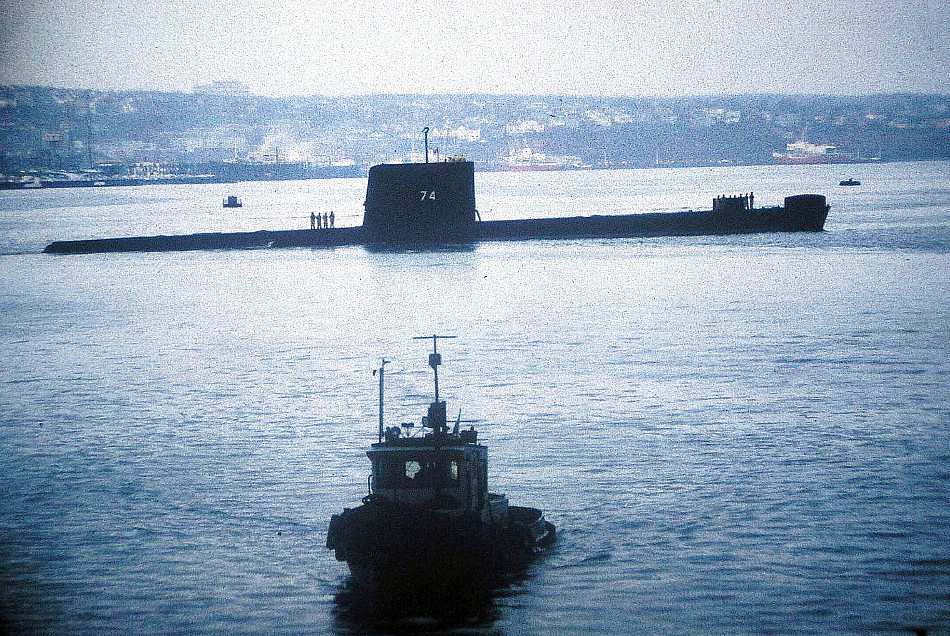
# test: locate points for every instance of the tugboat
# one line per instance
(232, 202)
(429, 519)
(849, 182)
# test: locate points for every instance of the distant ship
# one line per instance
(526, 160)
(434, 203)
(84, 181)
(803, 152)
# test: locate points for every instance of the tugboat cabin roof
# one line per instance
(435, 441)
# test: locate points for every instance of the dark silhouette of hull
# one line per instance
(213, 241)
(778, 219)
(434, 203)
(429, 521)
(403, 546)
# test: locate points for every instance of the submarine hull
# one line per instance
(434, 203)
(708, 222)
(782, 219)
(213, 240)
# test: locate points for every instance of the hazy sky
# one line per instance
(586, 47)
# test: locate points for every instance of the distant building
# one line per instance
(523, 127)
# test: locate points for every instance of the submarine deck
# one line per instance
(330, 237)
(707, 222)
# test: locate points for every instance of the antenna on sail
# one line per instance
(425, 132)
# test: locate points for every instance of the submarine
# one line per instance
(425, 204)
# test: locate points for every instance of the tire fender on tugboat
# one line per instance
(335, 534)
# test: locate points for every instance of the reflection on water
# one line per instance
(359, 609)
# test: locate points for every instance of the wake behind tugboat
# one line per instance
(429, 526)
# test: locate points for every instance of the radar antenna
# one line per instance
(436, 419)
(435, 358)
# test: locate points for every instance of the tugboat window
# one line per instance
(419, 473)
(422, 476)
(412, 469)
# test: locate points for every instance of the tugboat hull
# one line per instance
(387, 544)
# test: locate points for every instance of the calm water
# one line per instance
(734, 435)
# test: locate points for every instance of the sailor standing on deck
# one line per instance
(331, 218)
(313, 221)
(326, 220)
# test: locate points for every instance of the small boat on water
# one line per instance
(232, 202)
(429, 519)
(849, 182)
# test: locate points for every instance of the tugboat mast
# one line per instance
(382, 367)
(435, 358)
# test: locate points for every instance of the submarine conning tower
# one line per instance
(420, 203)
